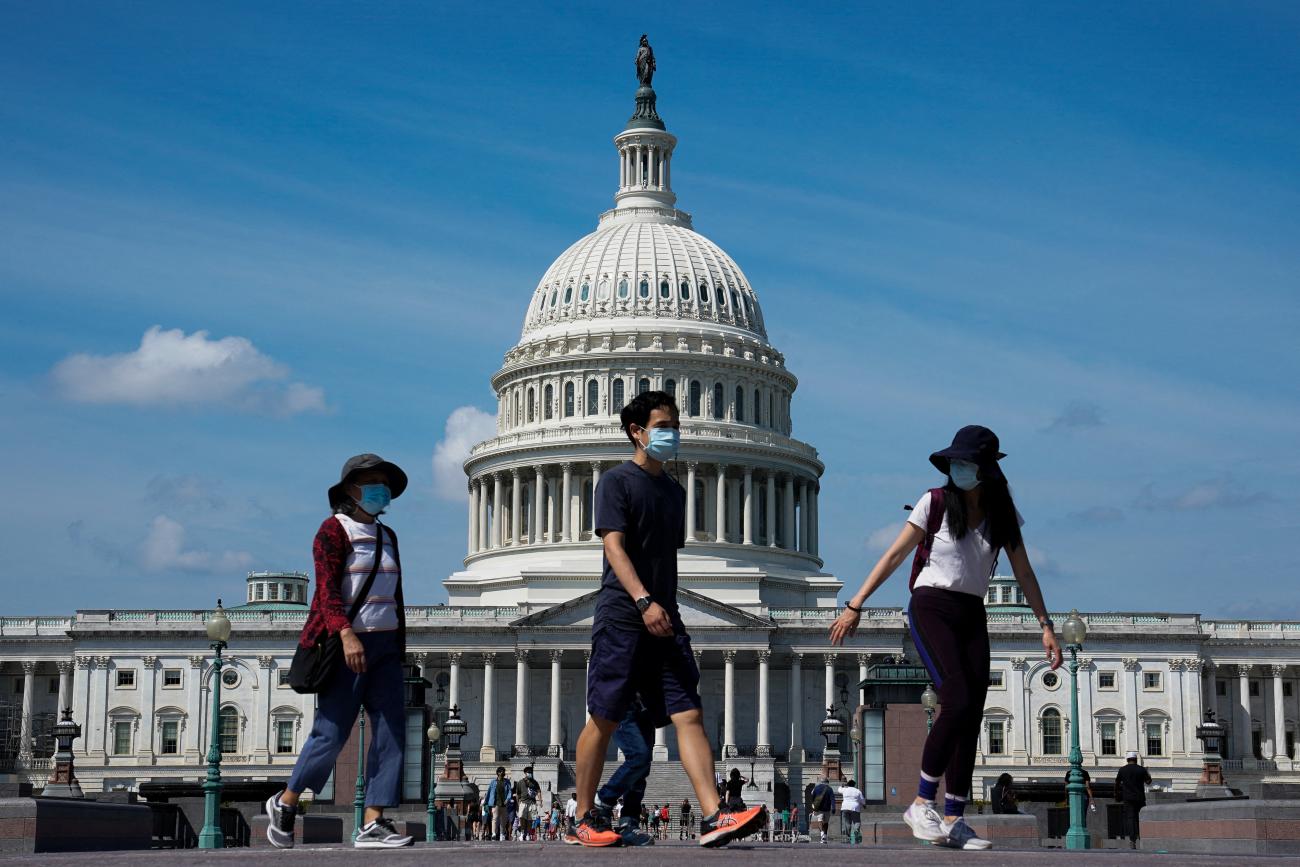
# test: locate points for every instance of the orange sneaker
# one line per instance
(728, 826)
(593, 830)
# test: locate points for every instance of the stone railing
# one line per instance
(602, 434)
(826, 615)
(1289, 629)
(34, 625)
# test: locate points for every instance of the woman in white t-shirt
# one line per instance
(957, 531)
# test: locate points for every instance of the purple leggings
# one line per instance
(950, 631)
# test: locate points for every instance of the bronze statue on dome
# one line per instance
(645, 62)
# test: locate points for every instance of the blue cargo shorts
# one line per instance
(626, 663)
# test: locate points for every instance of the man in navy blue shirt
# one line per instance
(639, 646)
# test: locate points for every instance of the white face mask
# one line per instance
(964, 474)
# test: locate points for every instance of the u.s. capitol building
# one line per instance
(643, 302)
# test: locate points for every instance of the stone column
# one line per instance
(556, 748)
(789, 541)
(814, 535)
(1279, 716)
(194, 709)
(81, 702)
(148, 693)
(552, 513)
(660, 751)
(805, 522)
(25, 729)
(772, 539)
(521, 703)
(483, 524)
(566, 504)
(472, 545)
(763, 739)
(830, 681)
(690, 500)
(1132, 737)
(864, 663)
(488, 751)
(1194, 703)
(517, 507)
(796, 708)
(748, 520)
(498, 524)
(720, 513)
(728, 703)
(453, 678)
(539, 487)
(262, 724)
(1022, 743)
(1178, 709)
(65, 677)
(595, 483)
(1245, 749)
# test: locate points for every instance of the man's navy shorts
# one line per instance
(626, 663)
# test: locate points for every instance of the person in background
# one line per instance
(684, 831)
(634, 737)
(496, 802)
(1131, 789)
(851, 803)
(1003, 797)
(526, 792)
(571, 813)
(735, 789)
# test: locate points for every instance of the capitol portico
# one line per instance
(643, 302)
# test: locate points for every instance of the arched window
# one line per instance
(686, 291)
(717, 401)
(670, 386)
(740, 403)
(704, 292)
(722, 298)
(554, 294)
(771, 411)
(568, 294)
(623, 288)
(758, 408)
(699, 501)
(548, 402)
(228, 733)
(584, 295)
(593, 396)
(644, 288)
(568, 399)
(749, 309)
(665, 289)
(1051, 732)
(602, 291)
(695, 398)
(519, 408)
(642, 385)
(531, 404)
(735, 303)
(616, 405)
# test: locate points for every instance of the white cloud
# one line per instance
(164, 550)
(466, 426)
(172, 368)
(1222, 492)
(884, 537)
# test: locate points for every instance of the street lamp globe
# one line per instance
(1074, 630)
(929, 698)
(433, 732)
(219, 625)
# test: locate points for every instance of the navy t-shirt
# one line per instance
(650, 512)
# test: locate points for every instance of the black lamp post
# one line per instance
(831, 729)
(218, 629)
(1074, 631)
(63, 781)
(433, 733)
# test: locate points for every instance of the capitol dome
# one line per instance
(644, 303)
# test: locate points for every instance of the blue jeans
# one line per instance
(381, 691)
(634, 736)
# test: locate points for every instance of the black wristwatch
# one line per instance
(643, 604)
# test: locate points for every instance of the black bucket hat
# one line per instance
(357, 463)
(973, 443)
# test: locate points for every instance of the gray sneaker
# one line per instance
(963, 836)
(279, 827)
(381, 834)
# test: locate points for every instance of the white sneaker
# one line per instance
(926, 823)
(963, 836)
(381, 834)
(279, 826)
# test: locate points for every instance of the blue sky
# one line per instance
(1079, 226)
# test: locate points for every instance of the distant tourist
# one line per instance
(957, 531)
(358, 601)
(821, 803)
(851, 803)
(685, 831)
(571, 812)
(1131, 789)
(1088, 804)
(497, 802)
(735, 789)
(1003, 796)
(527, 791)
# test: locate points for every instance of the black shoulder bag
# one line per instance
(314, 666)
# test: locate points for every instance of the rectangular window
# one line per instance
(54, 686)
(126, 678)
(997, 680)
(1155, 739)
(171, 677)
(1290, 745)
(121, 738)
(1151, 680)
(282, 677)
(259, 592)
(1051, 734)
(997, 738)
(1254, 688)
(273, 592)
(1105, 680)
(1257, 744)
(171, 734)
(1220, 687)
(228, 734)
(284, 736)
(1286, 688)
(1109, 741)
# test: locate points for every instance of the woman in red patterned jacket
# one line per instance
(374, 640)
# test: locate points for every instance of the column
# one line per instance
(148, 693)
(65, 677)
(805, 523)
(720, 513)
(552, 504)
(747, 521)
(763, 740)
(481, 487)
(517, 507)
(497, 536)
(1021, 745)
(1178, 708)
(660, 751)
(194, 709)
(488, 751)
(595, 483)
(864, 663)
(772, 540)
(472, 545)
(789, 541)
(566, 503)
(81, 702)
(728, 703)
(796, 708)
(539, 487)
(25, 736)
(830, 681)
(1279, 716)
(521, 703)
(1245, 749)
(1130, 695)
(690, 500)
(554, 740)
(262, 723)
(1194, 703)
(453, 678)
(814, 534)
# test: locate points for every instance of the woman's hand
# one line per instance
(354, 652)
(844, 626)
(1052, 648)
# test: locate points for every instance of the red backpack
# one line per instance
(933, 521)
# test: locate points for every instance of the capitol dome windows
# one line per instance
(554, 294)
(602, 291)
(623, 289)
(704, 292)
(584, 295)
(758, 408)
(686, 291)
(616, 404)
(568, 400)
(670, 386)
(643, 290)
(717, 401)
(548, 401)
(531, 402)
(568, 294)
(642, 385)
(593, 396)
(665, 290)
(695, 399)
(740, 403)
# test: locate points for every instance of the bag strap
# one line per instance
(360, 601)
(933, 521)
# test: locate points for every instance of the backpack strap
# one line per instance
(933, 521)
(360, 601)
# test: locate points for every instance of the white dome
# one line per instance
(644, 269)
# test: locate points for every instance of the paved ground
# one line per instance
(671, 853)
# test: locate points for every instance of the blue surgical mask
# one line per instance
(374, 499)
(964, 474)
(664, 442)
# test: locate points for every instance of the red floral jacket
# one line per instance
(328, 614)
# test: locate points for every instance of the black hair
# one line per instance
(637, 412)
(1004, 780)
(999, 510)
(735, 773)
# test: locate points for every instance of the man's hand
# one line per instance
(354, 652)
(656, 620)
(1051, 648)
(844, 626)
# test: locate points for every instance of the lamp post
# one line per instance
(359, 796)
(1074, 631)
(831, 729)
(218, 629)
(929, 701)
(433, 733)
